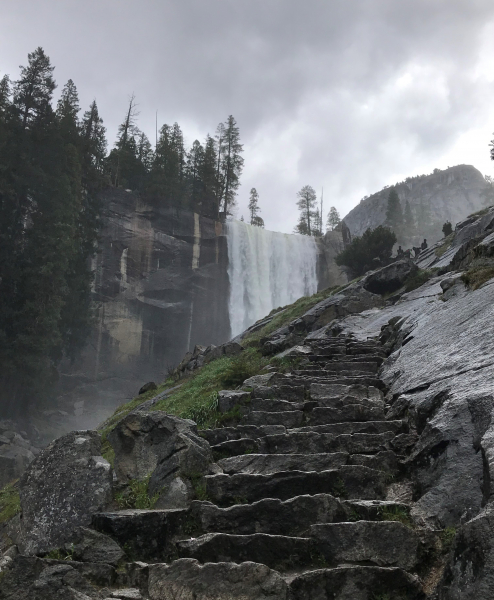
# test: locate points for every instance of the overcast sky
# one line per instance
(349, 95)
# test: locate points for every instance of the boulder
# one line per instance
(91, 546)
(469, 574)
(147, 387)
(61, 489)
(232, 349)
(228, 400)
(389, 278)
(187, 579)
(164, 447)
(32, 577)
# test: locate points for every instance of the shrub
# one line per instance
(447, 229)
(374, 244)
(476, 276)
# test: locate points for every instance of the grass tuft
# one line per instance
(396, 513)
(10, 502)
(477, 276)
(136, 495)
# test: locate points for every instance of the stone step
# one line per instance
(149, 535)
(275, 405)
(347, 412)
(381, 543)
(188, 579)
(322, 392)
(289, 419)
(367, 359)
(317, 443)
(324, 378)
(350, 427)
(351, 481)
(226, 434)
(275, 551)
(385, 461)
(264, 464)
(356, 583)
(235, 448)
(291, 517)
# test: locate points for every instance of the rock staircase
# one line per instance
(301, 506)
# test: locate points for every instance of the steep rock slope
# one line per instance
(357, 465)
(450, 195)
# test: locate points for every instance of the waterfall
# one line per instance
(266, 270)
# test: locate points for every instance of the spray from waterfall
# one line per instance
(266, 270)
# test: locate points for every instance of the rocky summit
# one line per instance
(357, 464)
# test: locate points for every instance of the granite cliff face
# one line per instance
(450, 195)
(161, 287)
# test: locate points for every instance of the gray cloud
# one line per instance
(349, 95)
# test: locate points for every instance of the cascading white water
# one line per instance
(266, 270)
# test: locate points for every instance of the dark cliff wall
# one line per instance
(161, 286)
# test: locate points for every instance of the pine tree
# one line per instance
(333, 219)
(316, 223)
(253, 205)
(306, 203)
(67, 111)
(394, 213)
(231, 163)
(408, 221)
(5, 93)
(47, 232)
(93, 140)
(208, 176)
(33, 91)
(194, 166)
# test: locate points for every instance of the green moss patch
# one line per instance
(10, 502)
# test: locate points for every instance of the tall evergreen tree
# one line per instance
(253, 205)
(93, 139)
(33, 91)
(333, 219)
(45, 236)
(67, 110)
(208, 176)
(306, 203)
(194, 166)
(394, 213)
(231, 163)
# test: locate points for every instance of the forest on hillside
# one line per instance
(54, 164)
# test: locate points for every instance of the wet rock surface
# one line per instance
(163, 447)
(363, 473)
(62, 488)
